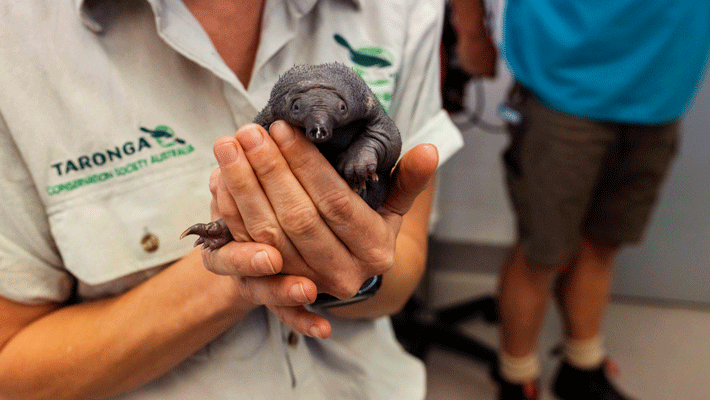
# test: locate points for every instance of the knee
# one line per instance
(600, 250)
(546, 267)
(536, 270)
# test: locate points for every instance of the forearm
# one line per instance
(469, 17)
(107, 347)
(477, 54)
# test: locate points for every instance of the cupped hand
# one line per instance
(281, 198)
(288, 196)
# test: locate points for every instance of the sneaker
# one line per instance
(513, 391)
(576, 384)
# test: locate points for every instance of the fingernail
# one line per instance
(315, 331)
(298, 294)
(261, 262)
(226, 153)
(282, 133)
(249, 138)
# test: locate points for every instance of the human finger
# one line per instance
(239, 181)
(278, 290)
(244, 259)
(298, 216)
(303, 321)
(228, 210)
(359, 227)
(254, 207)
(411, 175)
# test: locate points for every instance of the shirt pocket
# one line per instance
(132, 225)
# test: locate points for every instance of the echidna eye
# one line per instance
(343, 107)
(296, 107)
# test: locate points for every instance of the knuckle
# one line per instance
(209, 261)
(279, 312)
(227, 211)
(235, 262)
(305, 163)
(239, 235)
(237, 186)
(337, 204)
(301, 220)
(267, 234)
(238, 181)
(380, 259)
(289, 316)
(246, 291)
(270, 167)
(277, 295)
(345, 289)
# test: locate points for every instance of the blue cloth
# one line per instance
(633, 61)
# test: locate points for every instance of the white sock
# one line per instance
(585, 354)
(519, 369)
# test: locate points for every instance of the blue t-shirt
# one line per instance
(631, 61)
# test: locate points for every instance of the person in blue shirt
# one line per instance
(599, 88)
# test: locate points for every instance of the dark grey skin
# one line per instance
(338, 112)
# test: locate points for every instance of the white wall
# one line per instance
(473, 201)
(673, 262)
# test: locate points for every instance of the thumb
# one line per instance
(411, 175)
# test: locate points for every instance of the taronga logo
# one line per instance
(373, 64)
(162, 135)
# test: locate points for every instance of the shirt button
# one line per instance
(292, 339)
(150, 243)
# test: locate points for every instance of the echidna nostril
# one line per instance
(317, 133)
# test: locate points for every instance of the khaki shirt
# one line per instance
(107, 118)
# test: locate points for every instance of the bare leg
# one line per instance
(582, 294)
(583, 290)
(523, 296)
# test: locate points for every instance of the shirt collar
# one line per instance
(305, 6)
(97, 14)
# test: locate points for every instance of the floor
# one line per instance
(663, 351)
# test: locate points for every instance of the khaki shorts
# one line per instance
(570, 177)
